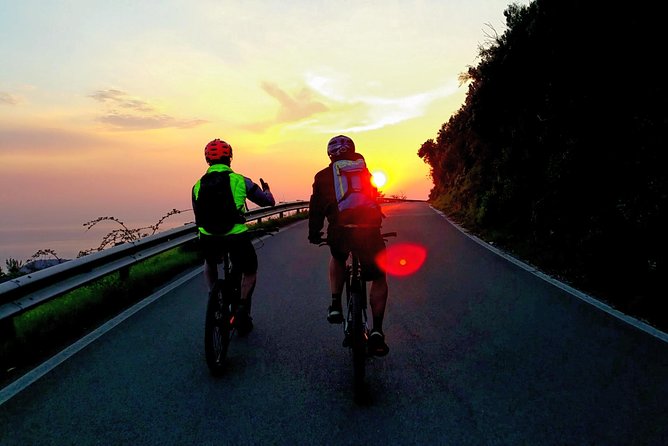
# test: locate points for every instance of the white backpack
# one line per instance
(355, 195)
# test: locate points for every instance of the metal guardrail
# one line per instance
(25, 292)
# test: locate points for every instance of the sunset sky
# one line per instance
(106, 106)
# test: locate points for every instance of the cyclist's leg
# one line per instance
(337, 274)
(378, 300)
(337, 263)
(210, 273)
(211, 250)
(337, 270)
(248, 281)
(371, 246)
(244, 259)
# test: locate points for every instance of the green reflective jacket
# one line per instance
(238, 186)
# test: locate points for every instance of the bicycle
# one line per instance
(355, 324)
(223, 301)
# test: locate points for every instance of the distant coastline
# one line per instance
(22, 243)
(66, 240)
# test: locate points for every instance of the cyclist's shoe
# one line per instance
(243, 322)
(377, 345)
(335, 314)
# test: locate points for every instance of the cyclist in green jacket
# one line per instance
(219, 203)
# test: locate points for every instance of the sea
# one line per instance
(66, 241)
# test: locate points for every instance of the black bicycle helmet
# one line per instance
(339, 145)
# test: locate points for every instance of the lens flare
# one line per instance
(403, 259)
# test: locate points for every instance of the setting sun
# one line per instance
(378, 179)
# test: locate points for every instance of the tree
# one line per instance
(547, 157)
(13, 266)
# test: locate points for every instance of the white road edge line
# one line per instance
(577, 293)
(33, 375)
(50, 364)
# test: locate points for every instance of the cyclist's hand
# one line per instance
(265, 186)
(314, 238)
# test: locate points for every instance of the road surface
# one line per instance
(481, 352)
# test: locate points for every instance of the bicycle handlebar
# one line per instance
(324, 241)
(258, 232)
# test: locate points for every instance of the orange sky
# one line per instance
(107, 108)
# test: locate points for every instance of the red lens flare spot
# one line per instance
(402, 259)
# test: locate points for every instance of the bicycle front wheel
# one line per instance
(217, 329)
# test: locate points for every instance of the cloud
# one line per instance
(121, 99)
(351, 112)
(8, 99)
(333, 104)
(382, 112)
(157, 121)
(293, 109)
(302, 105)
(125, 112)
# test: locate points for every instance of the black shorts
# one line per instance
(367, 243)
(240, 246)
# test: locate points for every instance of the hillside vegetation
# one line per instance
(556, 154)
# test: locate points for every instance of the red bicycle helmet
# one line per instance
(216, 150)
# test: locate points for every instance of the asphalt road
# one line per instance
(482, 352)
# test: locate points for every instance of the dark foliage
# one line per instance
(556, 152)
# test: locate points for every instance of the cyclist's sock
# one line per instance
(335, 312)
(336, 300)
(378, 324)
(245, 305)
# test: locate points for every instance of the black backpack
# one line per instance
(214, 208)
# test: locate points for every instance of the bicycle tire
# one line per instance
(358, 336)
(217, 329)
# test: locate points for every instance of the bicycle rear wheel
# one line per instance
(217, 329)
(359, 340)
